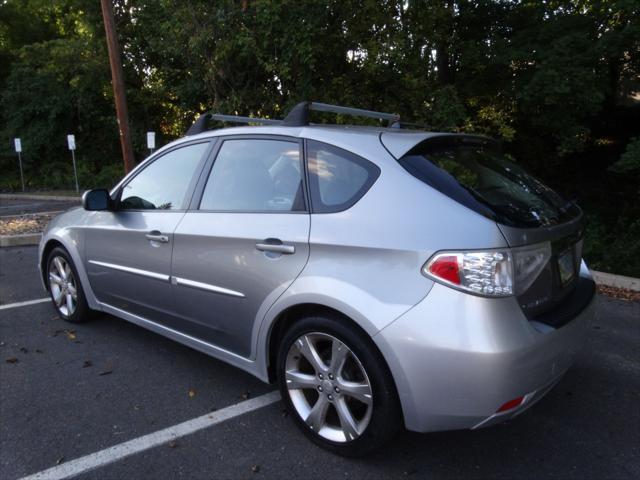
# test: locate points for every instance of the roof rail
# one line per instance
(200, 125)
(299, 115)
(418, 126)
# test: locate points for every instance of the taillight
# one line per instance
(511, 404)
(528, 262)
(446, 267)
(492, 273)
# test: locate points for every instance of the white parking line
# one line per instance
(24, 304)
(140, 444)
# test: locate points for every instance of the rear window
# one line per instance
(477, 175)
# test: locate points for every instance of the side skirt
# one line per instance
(243, 363)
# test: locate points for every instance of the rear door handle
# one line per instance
(277, 248)
(156, 236)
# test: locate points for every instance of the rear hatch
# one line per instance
(473, 171)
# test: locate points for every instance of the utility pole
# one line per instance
(117, 79)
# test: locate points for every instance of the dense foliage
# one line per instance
(556, 80)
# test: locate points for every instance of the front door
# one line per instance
(244, 242)
(128, 251)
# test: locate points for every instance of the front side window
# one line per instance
(337, 178)
(255, 175)
(163, 185)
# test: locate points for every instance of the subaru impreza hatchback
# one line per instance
(382, 277)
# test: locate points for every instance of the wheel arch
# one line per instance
(46, 250)
(69, 242)
(290, 315)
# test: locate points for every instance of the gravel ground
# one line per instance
(31, 223)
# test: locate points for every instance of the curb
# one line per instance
(616, 281)
(18, 196)
(20, 240)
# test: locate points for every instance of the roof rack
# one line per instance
(298, 116)
(200, 125)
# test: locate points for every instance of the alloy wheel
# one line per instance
(328, 387)
(63, 286)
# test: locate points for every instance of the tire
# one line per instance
(59, 264)
(375, 415)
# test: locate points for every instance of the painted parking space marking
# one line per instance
(24, 304)
(146, 442)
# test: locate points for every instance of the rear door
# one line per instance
(128, 250)
(243, 241)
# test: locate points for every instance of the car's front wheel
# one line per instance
(65, 288)
(337, 386)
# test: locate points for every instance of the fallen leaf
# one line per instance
(255, 468)
(173, 444)
(12, 360)
(87, 363)
(60, 460)
(619, 293)
(245, 395)
(71, 334)
(105, 372)
(192, 393)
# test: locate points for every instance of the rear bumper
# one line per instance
(457, 358)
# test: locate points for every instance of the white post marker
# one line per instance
(71, 142)
(151, 141)
(18, 144)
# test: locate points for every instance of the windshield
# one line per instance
(477, 175)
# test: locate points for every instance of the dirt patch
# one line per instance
(24, 224)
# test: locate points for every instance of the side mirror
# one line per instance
(97, 199)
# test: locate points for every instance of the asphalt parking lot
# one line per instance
(67, 391)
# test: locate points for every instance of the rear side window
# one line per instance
(255, 175)
(337, 178)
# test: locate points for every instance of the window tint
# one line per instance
(255, 175)
(164, 183)
(337, 178)
(481, 178)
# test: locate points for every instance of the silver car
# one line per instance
(383, 277)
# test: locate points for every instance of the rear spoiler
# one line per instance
(400, 143)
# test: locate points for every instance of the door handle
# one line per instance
(277, 248)
(156, 236)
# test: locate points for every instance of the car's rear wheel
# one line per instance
(337, 386)
(65, 287)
